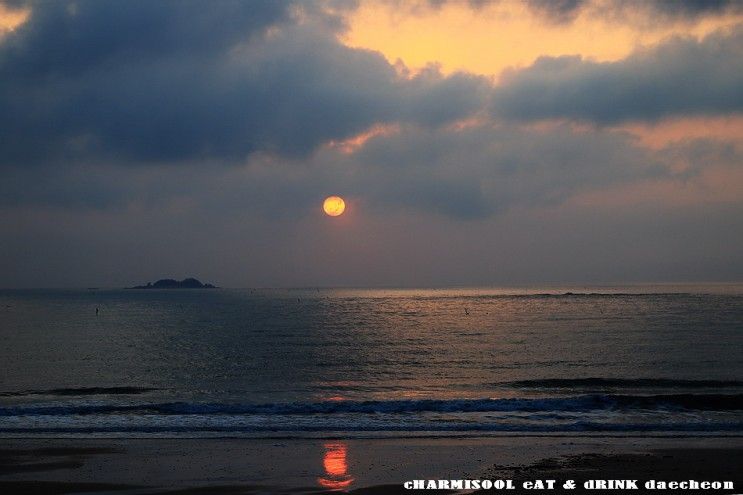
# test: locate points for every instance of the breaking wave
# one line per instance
(583, 403)
(627, 383)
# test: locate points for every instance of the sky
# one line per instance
(476, 143)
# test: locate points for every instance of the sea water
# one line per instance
(660, 360)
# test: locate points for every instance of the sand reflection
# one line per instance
(334, 461)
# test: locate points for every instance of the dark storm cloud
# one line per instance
(181, 81)
(69, 37)
(680, 77)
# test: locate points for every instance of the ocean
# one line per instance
(369, 363)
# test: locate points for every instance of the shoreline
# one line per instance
(241, 466)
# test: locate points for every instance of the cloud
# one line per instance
(93, 129)
(70, 37)
(142, 138)
(557, 11)
(682, 76)
(565, 11)
(688, 9)
(484, 170)
(173, 81)
(470, 173)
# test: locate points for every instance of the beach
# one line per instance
(253, 466)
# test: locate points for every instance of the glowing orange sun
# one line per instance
(334, 206)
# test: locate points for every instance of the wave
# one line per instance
(604, 294)
(584, 403)
(575, 427)
(81, 391)
(620, 382)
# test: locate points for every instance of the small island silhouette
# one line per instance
(169, 283)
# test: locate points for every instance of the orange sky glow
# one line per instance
(496, 36)
(11, 19)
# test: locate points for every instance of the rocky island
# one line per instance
(169, 283)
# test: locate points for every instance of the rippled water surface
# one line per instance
(373, 362)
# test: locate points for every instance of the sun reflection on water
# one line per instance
(334, 462)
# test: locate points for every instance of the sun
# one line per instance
(334, 206)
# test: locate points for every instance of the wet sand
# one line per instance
(255, 466)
